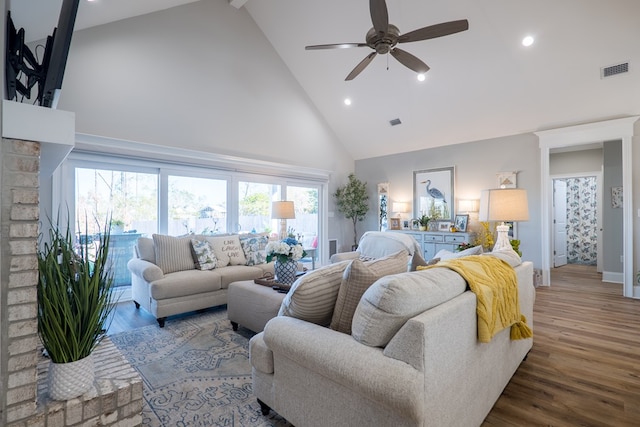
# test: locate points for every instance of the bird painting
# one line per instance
(434, 192)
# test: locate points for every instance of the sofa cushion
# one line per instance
(173, 253)
(184, 283)
(444, 254)
(253, 247)
(313, 296)
(392, 300)
(203, 255)
(357, 277)
(235, 273)
(227, 249)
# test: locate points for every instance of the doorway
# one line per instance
(617, 129)
(577, 223)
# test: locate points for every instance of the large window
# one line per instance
(129, 198)
(144, 197)
(196, 205)
(254, 207)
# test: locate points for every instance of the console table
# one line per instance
(433, 241)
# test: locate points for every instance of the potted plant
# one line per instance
(352, 202)
(74, 305)
(423, 222)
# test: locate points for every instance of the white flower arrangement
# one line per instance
(285, 250)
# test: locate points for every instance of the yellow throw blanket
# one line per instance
(495, 284)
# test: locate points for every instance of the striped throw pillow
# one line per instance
(173, 253)
(357, 278)
(313, 296)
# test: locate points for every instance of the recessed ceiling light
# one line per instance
(527, 41)
(347, 101)
(421, 77)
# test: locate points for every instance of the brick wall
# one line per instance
(116, 398)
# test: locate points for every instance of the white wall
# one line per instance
(203, 77)
(476, 165)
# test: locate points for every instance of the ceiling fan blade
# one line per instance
(433, 31)
(361, 66)
(334, 46)
(379, 15)
(409, 61)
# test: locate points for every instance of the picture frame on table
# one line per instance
(461, 222)
(394, 224)
(433, 193)
(444, 225)
(406, 224)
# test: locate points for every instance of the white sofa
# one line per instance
(165, 279)
(431, 372)
(376, 244)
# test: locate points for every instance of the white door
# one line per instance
(559, 222)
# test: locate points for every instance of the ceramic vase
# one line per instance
(69, 380)
(286, 271)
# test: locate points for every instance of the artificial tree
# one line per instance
(352, 201)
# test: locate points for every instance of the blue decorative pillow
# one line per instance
(203, 255)
(254, 249)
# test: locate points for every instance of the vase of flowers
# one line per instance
(286, 253)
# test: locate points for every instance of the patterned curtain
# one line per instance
(582, 221)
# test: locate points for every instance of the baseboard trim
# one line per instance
(612, 277)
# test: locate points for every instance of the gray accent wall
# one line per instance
(612, 226)
(575, 162)
(476, 167)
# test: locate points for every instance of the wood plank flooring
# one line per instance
(583, 369)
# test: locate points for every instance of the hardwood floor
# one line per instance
(583, 369)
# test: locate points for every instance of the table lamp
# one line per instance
(283, 211)
(503, 204)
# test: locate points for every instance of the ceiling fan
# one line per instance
(384, 37)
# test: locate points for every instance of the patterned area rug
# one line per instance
(196, 372)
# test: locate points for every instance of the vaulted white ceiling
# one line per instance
(483, 83)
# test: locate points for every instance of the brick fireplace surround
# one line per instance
(116, 398)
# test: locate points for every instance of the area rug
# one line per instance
(196, 372)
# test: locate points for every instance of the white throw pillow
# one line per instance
(228, 250)
(445, 254)
(510, 257)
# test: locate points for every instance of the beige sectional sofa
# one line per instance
(412, 358)
(167, 277)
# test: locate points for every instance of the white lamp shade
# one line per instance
(399, 207)
(468, 205)
(282, 210)
(504, 204)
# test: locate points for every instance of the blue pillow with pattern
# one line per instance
(254, 249)
(203, 255)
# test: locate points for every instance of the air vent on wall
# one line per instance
(395, 122)
(614, 70)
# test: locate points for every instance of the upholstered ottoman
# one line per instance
(252, 305)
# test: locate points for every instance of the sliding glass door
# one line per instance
(144, 197)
